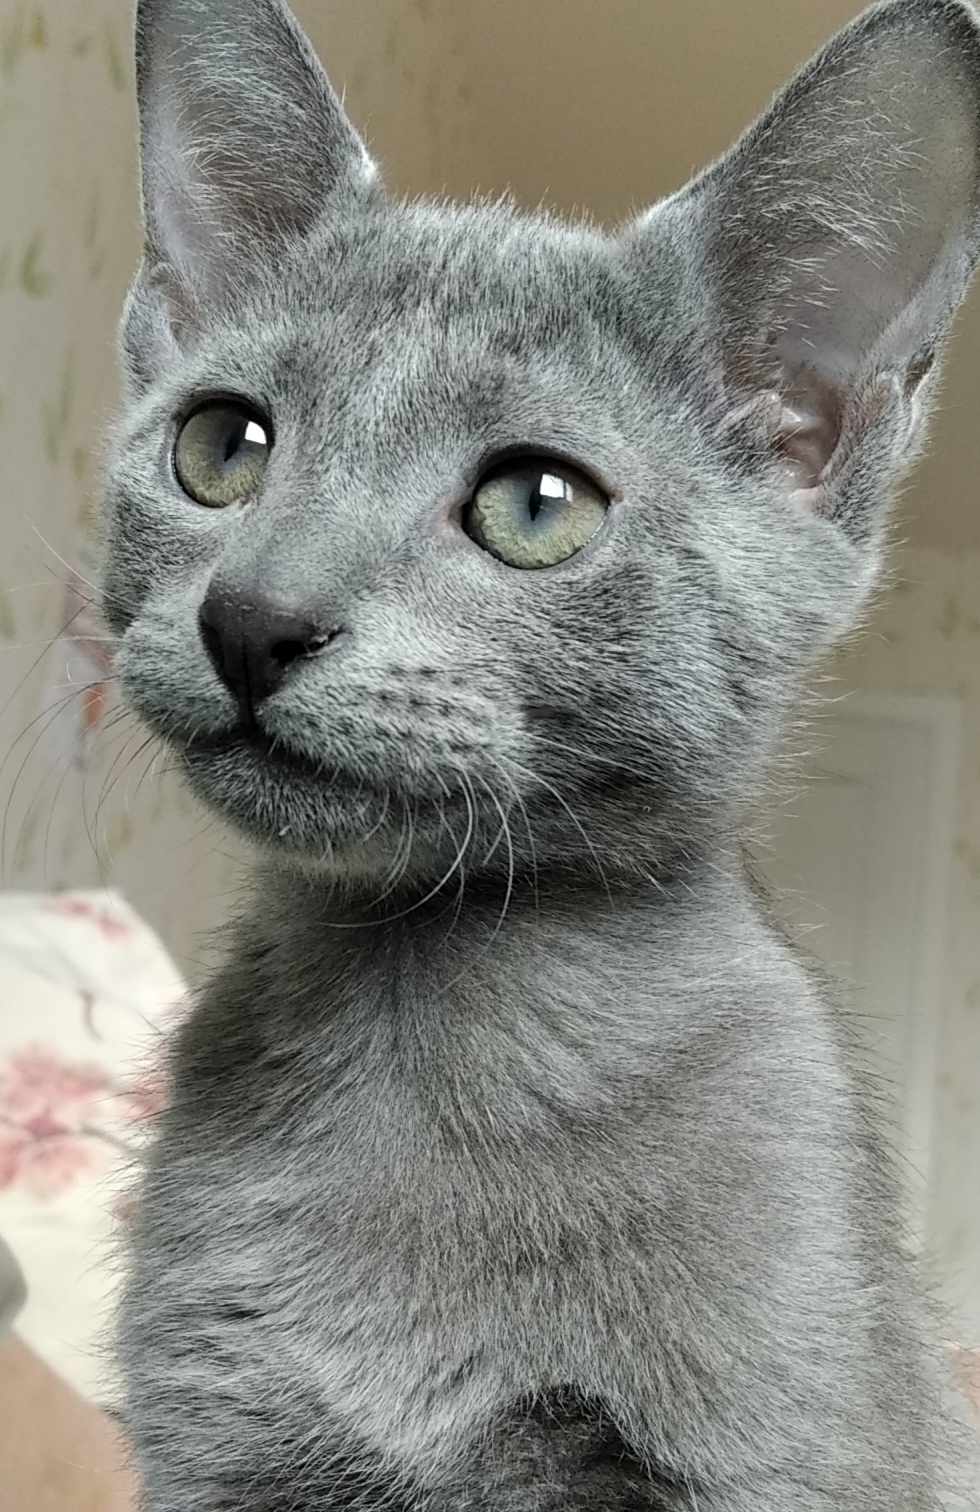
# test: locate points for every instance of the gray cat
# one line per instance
(472, 563)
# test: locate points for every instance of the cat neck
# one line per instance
(500, 937)
(552, 1011)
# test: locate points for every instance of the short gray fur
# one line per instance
(514, 1161)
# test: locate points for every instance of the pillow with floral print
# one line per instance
(86, 994)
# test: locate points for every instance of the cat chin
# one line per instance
(329, 825)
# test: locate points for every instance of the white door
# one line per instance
(859, 857)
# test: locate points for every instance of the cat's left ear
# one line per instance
(244, 143)
(826, 254)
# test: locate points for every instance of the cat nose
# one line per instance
(254, 641)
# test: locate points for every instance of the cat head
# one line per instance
(451, 539)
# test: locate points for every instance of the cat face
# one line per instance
(446, 539)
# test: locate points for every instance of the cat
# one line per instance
(472, 563)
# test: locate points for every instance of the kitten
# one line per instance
(471, 562)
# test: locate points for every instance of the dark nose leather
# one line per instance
(255, 641)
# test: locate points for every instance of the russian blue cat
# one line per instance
(471, 563)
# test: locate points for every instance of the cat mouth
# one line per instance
(270, 752)
(322, 810)
(251, 752)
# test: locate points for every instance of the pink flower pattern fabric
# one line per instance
(88, 997)
(52, 1112)
(72, 906)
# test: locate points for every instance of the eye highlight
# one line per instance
(221, 453)
(534, 512)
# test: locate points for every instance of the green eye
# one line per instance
(534, 512)
(222, 452)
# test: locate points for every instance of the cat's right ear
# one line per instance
(824, 256)
(244, 146)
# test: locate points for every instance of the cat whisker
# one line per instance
(380, 821)
(35, 799)
(471, 816)
(593, 757)
(109, 782)
(38, 660)
(412, 825)
(433, 891)
(73, 569)
(510, 861)
(53, 640)
(49, 716)
(67, 770)
(516, 795)
(130, 759)
(489, 855)
(394, 871)
(112, 723)
(550, 788)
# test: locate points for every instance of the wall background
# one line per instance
(924, 638)
(578, 103)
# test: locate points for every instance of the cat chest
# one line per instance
(414, 1269)
(416, 1349)
(419, 1280)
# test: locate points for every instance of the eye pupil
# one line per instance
(534, 503)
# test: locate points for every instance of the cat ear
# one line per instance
(244, 143)
(832, 245)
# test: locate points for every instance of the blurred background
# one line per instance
(597, 106)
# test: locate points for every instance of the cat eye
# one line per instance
(222, 452)
(534, 512)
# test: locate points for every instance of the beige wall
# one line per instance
(924, 639)
(583, 103)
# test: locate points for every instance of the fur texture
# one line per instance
(514, 1162)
